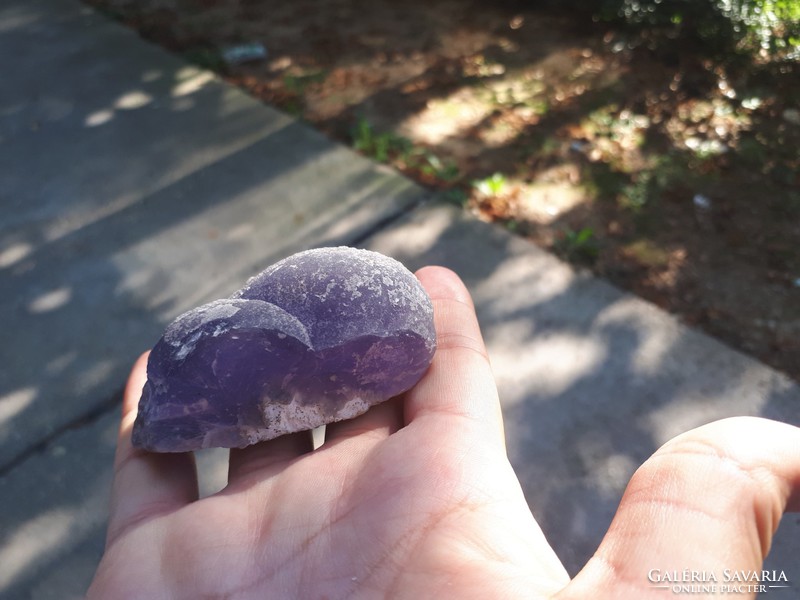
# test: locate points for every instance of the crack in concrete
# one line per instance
(384, 223)
(89, 417)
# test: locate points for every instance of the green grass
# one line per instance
(388, 147)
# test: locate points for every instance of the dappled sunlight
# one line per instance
(522, 281)
(547, 202)
(49, 301)
(152, 75)
(416, 238)
(89, 378)
(709, 127)
(32, 541)
(605, 468)
(609, 138)
(59, 363)
(99, 117)
(104, 161)
(167, 202)
(500, 104)
(15, 402)
(58, 533)
(125, 191)
(191, 81)
(133, 100)
(14, 18)
(655, 340)
(283, 215)
(692, 408)
(14, 253)
(548, 363)
(445, 118)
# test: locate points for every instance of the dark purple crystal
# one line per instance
(318, 337)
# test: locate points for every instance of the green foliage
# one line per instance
(492, 186)
(648, 186)
(722, 25)
(636, 195)
(388, 147)
(378, 146)
(578, 246)
(433, 166)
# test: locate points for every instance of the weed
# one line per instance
(382, 144)
(492, 186)
(433, 166)
(389, 147)
(371, 143)
(578, 246)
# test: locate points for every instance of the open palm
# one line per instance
(414, 499)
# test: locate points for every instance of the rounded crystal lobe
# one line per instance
(318, 337)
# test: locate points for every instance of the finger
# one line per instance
(709, 500)
(458, 393)
(379, 422)
(145, 484)
(459, 381)
(260, 457)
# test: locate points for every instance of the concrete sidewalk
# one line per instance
(136, 186)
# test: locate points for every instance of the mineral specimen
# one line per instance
(318, 337)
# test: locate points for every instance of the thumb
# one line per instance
(708, 501)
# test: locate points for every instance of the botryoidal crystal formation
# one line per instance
(317, 337)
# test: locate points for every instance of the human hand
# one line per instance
(416, 499)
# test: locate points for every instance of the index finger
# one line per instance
(145, 484)
(459, 381)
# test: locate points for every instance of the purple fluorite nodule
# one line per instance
(317, 337)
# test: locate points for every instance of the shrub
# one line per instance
(771, 26)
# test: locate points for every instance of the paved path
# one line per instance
(135, 186)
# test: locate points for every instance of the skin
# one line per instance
(416, 499)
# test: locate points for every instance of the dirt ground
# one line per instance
(669, 175)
